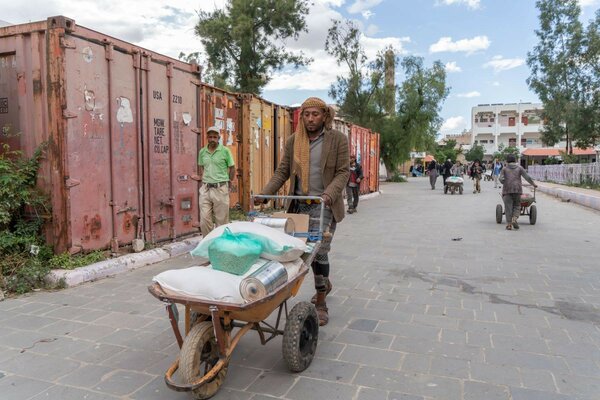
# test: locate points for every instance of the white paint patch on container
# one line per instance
(88, 54)
(124, 113)
(187, 118)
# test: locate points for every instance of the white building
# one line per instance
(511, 124)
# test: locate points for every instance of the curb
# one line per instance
(121, 264)
(567, 195)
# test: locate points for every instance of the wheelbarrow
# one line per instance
(210, 335)
(527, 208)
(453, 185)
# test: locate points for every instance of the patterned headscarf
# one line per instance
(301, 142)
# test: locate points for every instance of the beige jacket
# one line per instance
(335, 166)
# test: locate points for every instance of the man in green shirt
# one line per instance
(216, 171)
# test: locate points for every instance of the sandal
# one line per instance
(509, 227)
(322, 314)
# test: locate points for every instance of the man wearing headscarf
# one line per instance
(316, 160)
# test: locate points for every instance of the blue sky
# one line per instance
(484, 43)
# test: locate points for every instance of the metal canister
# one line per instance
(263, 281)
(283, 224)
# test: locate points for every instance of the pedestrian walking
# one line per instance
(353, 186)
(316, 162)
(447, 170)
(216, 172)
(512, 188)
(476, 172)
(432, 171)
(496, 168)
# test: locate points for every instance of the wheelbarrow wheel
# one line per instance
(499, 213)
(198, 355)
(532, 214)
(300, 336)
(445, 189)
(460, 190)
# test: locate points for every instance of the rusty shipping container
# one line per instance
(258, 145)
(122, 127)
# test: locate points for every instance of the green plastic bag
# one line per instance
(234, 253)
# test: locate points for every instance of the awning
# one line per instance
(552, 151)
(428, 158)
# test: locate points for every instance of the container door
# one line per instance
(9, 100)
(102, 146)
(183, 146)
(256, 148)
(267, 143)
(157, 151)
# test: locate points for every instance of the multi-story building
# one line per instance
(510, 124)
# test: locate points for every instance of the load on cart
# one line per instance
(253, 269)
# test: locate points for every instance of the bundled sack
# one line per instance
(201, 283)
(276, 245)
(454, 179)
(234, 252)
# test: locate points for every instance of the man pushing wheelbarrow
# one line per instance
(512, 189)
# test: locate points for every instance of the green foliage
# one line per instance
(504, 151)
(17, 185)
(23, 254)
(446, 151)
(565, 74)
(245, 41)
(475, 153)
(568, 158)
(68, 261)
(552, 161)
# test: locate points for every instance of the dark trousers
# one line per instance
(512, 206)
(352, 194)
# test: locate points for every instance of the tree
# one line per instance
(504, 151)
(356, 93)
(555, 69)
(446, 151)
(245, 40)
(474, 153)
(417, 121)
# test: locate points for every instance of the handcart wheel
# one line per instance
(460, 190)
(445, 189)
(300, 336)
(499, 213)
(532, 214)
(198, 355)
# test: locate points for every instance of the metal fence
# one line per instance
(566, 173)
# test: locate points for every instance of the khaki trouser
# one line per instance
(213, 202)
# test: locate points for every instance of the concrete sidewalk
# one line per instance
(585, 197)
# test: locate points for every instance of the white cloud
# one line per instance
(362, 5)
(473, 4)
(468, 95)
(367, 14)
(469, 46)
(499, 63)
(453, 124)
(587, 3)
(372, 30)
(495, 83)
(452, 67)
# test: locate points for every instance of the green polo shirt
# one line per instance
(216, 165)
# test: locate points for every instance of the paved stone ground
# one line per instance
(432, 300)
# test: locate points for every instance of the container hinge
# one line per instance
(162, 218)
(67, 43)
(128, 209)
(70, 182)
(69, 114)
(196, 131)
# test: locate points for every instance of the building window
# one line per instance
(524, 142)
(524, 120)
(511, 121)
(492, 119)
(512, 142)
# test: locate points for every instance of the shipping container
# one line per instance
(121, 124)
(258, 145)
